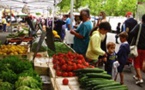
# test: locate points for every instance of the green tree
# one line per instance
(111, 7)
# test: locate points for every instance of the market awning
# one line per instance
(34, 5)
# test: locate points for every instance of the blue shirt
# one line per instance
(111, 58)
(123, 52)
(81, 45)
(68, 21)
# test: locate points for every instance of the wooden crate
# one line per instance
(19, 55)
(31, 54)
(41, 66)
(73, 83)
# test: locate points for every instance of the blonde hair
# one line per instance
(109, 44)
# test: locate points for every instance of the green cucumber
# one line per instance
(89, 70)
(98, 75)
(118, 87)
(98, 82)
(106, 85)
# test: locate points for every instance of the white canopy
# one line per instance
(34, 5)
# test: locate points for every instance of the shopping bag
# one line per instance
(114, 70)
(133, 51)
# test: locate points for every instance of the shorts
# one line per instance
(120, 68)
(138, 61)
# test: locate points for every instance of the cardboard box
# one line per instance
(41, 66)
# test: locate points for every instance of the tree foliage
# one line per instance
(111, 7)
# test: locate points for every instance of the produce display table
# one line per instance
(57, 81)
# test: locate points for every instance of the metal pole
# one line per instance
(71, 13)
(11, 19)
(53, 14)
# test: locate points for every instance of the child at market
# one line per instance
(111, 57)
(122, 54)
(94, 48)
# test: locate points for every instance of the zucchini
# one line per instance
(98, 75)
(98, 82)
(118, 87)
(106, 85)
(89, 70)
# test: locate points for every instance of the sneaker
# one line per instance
(139, 82)
(134, 77)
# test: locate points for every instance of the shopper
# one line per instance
(129, 24)
(81, 35)
(138, 61)
(68, 22)
(122, 54)
(111, 57)
(4, 24)
(117, 32)
(94, 49)
(102, 18)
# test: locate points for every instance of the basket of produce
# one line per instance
(13, 50)
(60, 48)
(27, 39)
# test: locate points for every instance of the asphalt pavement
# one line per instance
(128, 70)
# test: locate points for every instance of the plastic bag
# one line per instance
(43, 47)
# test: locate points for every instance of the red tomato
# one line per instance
(69, 68)
(79, 62)
(64, 67)
(86, 64)
(38, 55)
(64, 74)
(79, 66)
(70, 74)
(62, 61)
(54, 61)
(75, 67)
(54, 66)
(70, 63)
(58, 73)
(65, 81)
(80, 57)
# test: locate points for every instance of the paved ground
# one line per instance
(128, 72)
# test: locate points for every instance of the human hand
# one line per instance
(104, 59)
(105, 55)
(72, 31)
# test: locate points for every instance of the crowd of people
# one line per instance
(90, 41)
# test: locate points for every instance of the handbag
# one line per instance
(133, 48)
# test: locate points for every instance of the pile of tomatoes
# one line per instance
(66, 63)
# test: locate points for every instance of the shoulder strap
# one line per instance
(140, 25)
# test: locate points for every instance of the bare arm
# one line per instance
(76, 34)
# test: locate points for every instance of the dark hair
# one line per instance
(143, 18)
(123, 35)
(103, 25)
(119, 23)
(87, 11)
